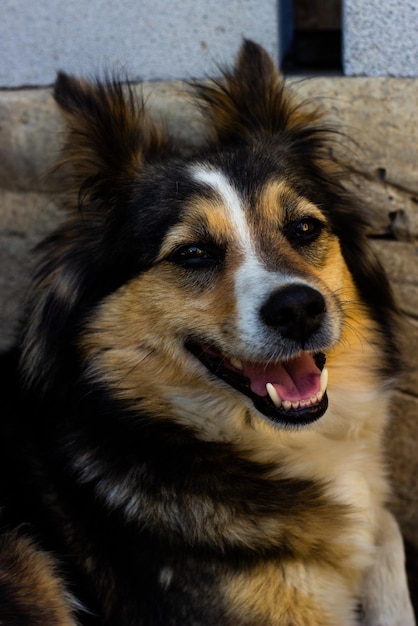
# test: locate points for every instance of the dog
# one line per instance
(193, 415)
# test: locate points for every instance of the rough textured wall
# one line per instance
(380, 38)
(149, 39)
(380, 114)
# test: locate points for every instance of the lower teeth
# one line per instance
(287, 404)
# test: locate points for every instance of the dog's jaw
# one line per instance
(290, 393)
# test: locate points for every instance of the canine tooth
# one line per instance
(286, 404)
(274, 396)
(324, 380)
(236, 363)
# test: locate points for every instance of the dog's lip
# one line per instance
(291, 391)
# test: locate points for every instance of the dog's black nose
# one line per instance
(296, 311)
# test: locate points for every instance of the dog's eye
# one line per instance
(195, 256)
(304, 230)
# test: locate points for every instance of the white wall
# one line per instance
(149, 39)
(380, 37)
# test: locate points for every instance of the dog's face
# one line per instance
(245, 294)
(213, 289)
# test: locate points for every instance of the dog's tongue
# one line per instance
(296, 379)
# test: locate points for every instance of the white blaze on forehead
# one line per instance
(220, 184)
(253, 281)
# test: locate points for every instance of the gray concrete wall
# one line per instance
(148, 39)
(380, 37)
(176, 39)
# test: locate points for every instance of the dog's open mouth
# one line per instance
(290, 392)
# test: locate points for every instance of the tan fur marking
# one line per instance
(34, 583)
(290, 594)
(277, 199)
(202, 212)
(277, 206)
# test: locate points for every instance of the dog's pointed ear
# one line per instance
(250, 100)
(110, 135)
(109, 142)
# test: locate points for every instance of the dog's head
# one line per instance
(213, 287)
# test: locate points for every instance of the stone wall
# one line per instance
(148, 39)
(380, 38)
(379, 114)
